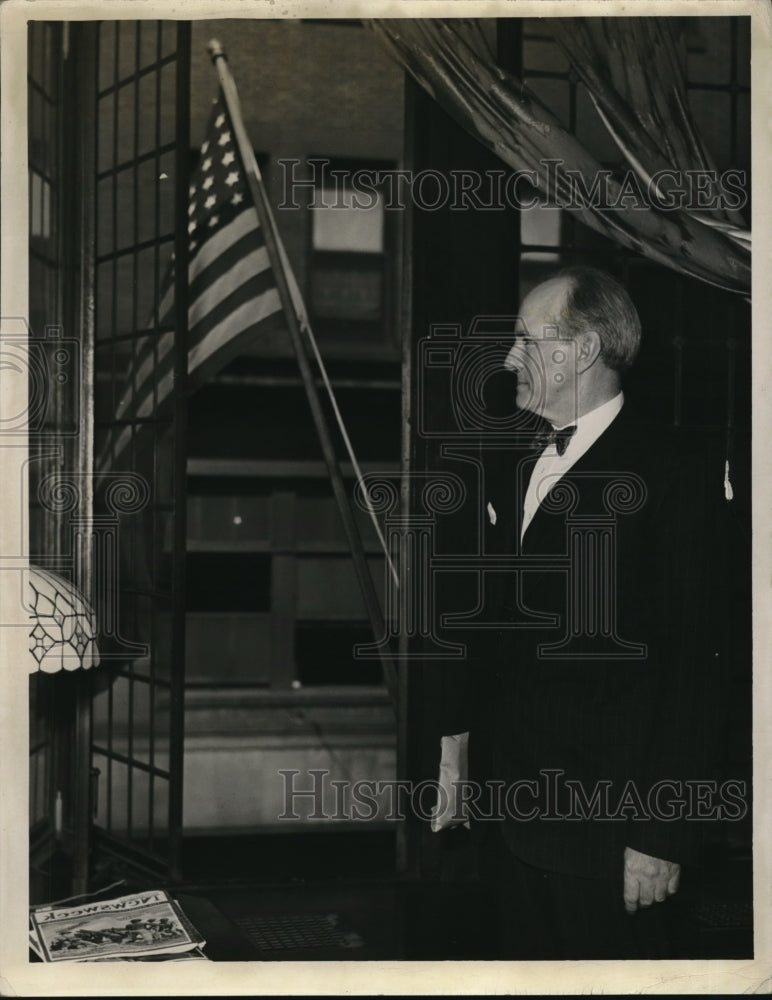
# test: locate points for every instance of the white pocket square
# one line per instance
(491, 512)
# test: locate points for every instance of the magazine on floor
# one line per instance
(144, 925)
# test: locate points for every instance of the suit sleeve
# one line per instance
(688, 659)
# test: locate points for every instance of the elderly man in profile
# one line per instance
(593, 703)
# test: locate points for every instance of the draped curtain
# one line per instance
(631, 70)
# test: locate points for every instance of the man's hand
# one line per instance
(648, 880)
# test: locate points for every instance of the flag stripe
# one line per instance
(230, 240)
(239, 326)
(228, 259)
(145, 366)
(240, 271)
(252, 293)
(250, 314)
(219, 241)
(247, 267)
(163, 390)
(219, 308)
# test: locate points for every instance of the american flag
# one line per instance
(232, 293)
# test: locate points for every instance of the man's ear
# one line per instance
(587, 349)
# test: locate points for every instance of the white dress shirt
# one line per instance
(550, 466)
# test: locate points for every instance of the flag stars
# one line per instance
(192, 245)
(232, 178)
(219, 120)
(204, 146)
(207, 164)
(192, 208)
(192, 191)
(191, 227)
(210, 201)
(228, 159)
(224, 139)
(213, 221)
(237, 198)
(207, 183)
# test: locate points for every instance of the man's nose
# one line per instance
(514, 360)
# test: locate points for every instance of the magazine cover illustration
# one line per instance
(143, 924)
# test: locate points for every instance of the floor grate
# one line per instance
(296, 931)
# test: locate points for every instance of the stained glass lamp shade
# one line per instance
(63, 626)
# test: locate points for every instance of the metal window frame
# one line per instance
(151, 843)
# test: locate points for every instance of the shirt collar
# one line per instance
(592, 424)
(602, 414)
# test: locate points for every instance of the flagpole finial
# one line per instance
(215, 49)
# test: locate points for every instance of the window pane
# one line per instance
(344, 292)
(540, 226)
(543, 55)
(340, 224)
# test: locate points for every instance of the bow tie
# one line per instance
(559, 438)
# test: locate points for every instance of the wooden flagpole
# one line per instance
(273, 245)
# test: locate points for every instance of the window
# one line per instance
(349, 274)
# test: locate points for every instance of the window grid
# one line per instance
(339, 326)
(137, 721)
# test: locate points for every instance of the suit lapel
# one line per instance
(606, 454)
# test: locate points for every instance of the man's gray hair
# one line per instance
(596, 301)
